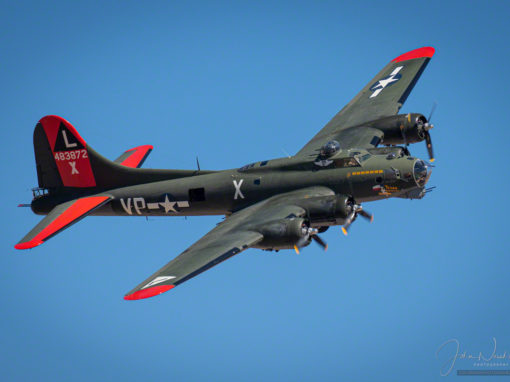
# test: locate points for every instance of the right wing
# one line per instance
(236, 233)
(381, 97)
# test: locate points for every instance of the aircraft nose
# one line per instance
(422, 171)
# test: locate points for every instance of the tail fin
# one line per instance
(64, 160)
(61, 155)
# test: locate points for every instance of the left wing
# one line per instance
(236, 233)
(381, 97)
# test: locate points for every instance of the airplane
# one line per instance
(360, 155)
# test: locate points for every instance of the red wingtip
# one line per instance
(149, 292)
(28, 244)
(426, 51)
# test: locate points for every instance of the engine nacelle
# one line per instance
(285, 234)
(402, 128)
(343, 206)
(323, 211)
(328, 209)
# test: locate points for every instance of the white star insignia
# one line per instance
(384, 83)
(381, 84)
(158, 280)
(168, 205)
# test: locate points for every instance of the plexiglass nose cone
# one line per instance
(421, 171)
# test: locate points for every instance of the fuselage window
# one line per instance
(196, 194)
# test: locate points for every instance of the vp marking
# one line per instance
(73, 168)
(126, 206)
(386, 81)
(139, 204)
(238, 192)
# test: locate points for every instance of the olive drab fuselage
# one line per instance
(357, 173)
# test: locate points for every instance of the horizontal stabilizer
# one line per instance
(135, 156)
(61, 217)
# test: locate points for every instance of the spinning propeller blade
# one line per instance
(321, 242)
(357, 209)
(427, 127)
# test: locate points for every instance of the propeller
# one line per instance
(356, 210)
(426, 127)
(310, 234)
(428, 142)
(432, 110)
(320, 241)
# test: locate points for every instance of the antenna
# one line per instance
(198, 164)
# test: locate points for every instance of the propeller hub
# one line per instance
(356, 209)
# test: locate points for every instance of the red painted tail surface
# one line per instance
(71, 158)
(65, 161)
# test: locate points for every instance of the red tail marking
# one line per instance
(426, 51)
(149, 292)
(73, 165)
(73, 212)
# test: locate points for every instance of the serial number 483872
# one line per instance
(68, 155)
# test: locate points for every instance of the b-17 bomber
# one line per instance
(361, 155)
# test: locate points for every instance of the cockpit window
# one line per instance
(347, 162)
(246, 167)
(364, 157)
(395, 151)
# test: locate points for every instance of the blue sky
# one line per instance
(235, 83)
